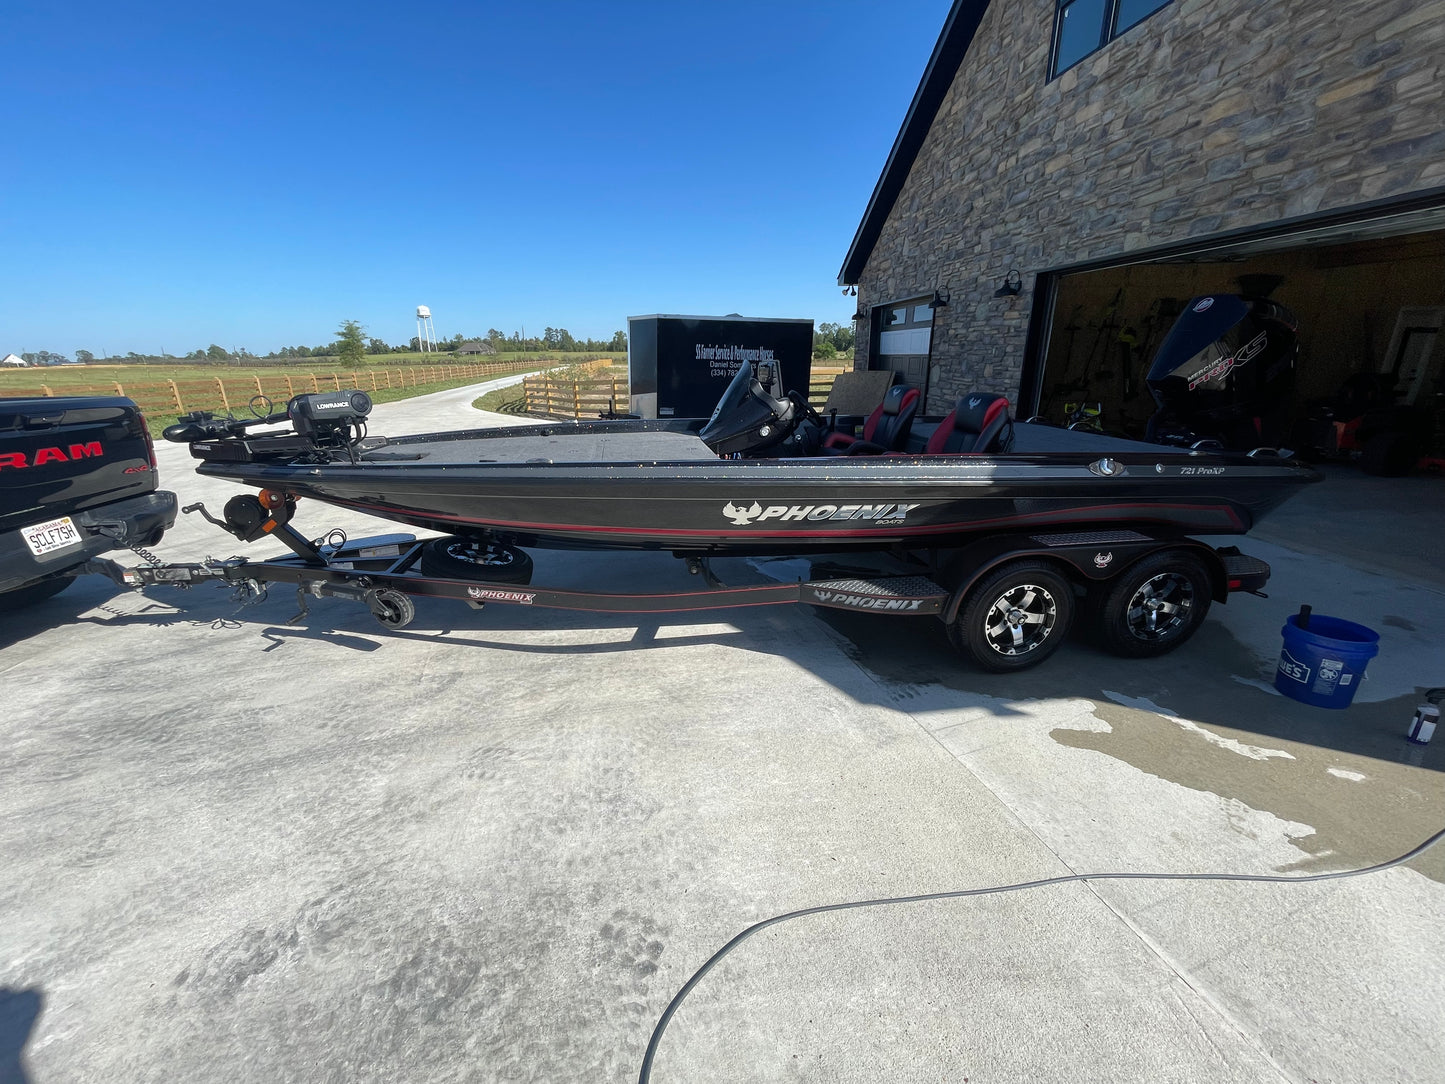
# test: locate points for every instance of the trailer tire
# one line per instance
(457, 558)
(1127, 618)
(1015, 617)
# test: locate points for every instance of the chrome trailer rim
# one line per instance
(1160, 606)
(1020, 620)
(481, 554)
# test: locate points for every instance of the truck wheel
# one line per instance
(33, 593)
(1015, 617)
(471, 559)
(1154, 605)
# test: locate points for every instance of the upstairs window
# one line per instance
(1082, 27)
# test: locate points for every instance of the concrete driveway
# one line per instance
(492, 846)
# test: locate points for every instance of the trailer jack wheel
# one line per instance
(393, 609)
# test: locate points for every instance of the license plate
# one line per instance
(52, 535)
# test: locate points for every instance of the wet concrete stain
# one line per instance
(1399, 803)
(1399, 623)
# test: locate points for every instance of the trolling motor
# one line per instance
(321, 422)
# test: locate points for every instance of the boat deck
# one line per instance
(673, 446)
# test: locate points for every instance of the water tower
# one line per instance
(426, 336)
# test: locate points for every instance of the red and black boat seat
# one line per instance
(885, 430)
(979, 423)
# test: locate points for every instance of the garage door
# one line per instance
(905, 336)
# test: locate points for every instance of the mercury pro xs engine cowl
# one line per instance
(1225, 373)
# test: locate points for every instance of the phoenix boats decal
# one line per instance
(792, 513)
(1204, 305)
(493, 595)
(866, 602)
(1101, 560)
(1216, 369)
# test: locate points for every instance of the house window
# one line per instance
(1082, 27)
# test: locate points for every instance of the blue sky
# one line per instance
(252, 174)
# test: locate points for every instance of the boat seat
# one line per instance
(979, 423)
(885, 430)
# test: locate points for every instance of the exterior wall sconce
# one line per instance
(941, 297)
(1013, 285)
(861, 314)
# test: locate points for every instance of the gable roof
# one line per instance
(948, 53)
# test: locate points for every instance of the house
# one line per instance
(476, 346)
(13, 362)
(1070, 171)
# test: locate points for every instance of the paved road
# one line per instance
(492, 846)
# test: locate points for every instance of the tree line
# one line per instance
(352, 339)
(352, 344)
(830, 340)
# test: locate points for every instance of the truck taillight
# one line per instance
(150, 443)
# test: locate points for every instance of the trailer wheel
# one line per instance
(471, 559)
(1153, 606)
(1015, 617)
(393, 609)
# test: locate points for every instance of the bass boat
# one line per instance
(764, 474)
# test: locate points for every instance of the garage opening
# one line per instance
(1370, 300)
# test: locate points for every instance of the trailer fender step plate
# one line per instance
(884, 594)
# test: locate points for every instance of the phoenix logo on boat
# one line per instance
(792, 513)
(1101, 560)
(493, 595)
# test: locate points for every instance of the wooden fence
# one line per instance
(820, 380)
(548, 396)
(165, 397)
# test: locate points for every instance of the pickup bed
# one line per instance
(77, 479)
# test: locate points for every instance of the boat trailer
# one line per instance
(1015, 587)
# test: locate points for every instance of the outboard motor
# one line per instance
(1225, 373)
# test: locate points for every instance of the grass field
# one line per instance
(164, 391)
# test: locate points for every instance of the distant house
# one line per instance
(477, 346)
(13, 362)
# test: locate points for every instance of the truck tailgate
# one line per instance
(60, 456)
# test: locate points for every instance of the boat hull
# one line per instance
(789, 505)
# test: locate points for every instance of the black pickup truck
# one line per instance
(77, 478)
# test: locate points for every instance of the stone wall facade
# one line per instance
(1210, 115)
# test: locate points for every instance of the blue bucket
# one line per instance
(1323, 664)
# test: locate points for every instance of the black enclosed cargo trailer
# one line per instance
(679, 366)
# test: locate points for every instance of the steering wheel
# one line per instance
(809, 412)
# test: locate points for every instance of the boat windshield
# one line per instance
(737, 392)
